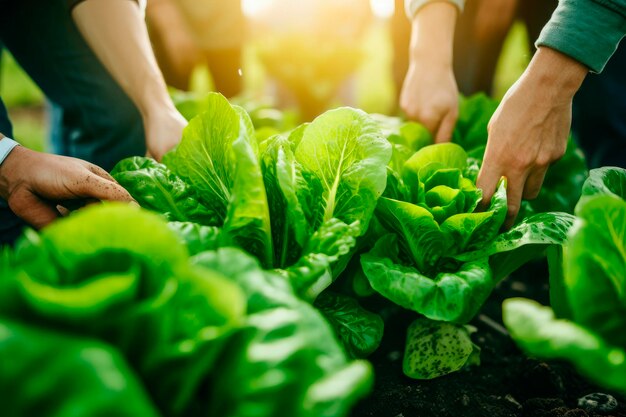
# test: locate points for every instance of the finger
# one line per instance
(446, 128)
(98, 188)
(514, 190)
(427, 118)
(99, 172)
(487, 181)
(32, 209)
(534, 183)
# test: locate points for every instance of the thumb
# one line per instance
(32, 209)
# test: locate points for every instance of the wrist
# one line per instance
(9, 169)
(555, 75)
(155, 100)
(159, 111)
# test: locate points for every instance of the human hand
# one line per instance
(430, 94)
(35, 185)
(164, 130)
(494, 18)
(530, 128)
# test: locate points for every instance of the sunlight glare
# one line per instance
(252, 8)
(383, 9)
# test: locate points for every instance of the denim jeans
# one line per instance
(92, 118)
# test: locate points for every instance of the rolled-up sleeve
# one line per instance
(587, 30)
(412, 7)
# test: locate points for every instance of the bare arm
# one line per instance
(116, 32)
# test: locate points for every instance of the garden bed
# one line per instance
(506, 384)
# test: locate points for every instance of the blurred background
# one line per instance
(303, 56)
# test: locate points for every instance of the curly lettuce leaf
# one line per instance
(156, 188)
(95, 274)
(315, 270)
(454, 295)
(524, 242)
(420, 235)
(360, 330)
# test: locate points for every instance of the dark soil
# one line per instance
(506, 384)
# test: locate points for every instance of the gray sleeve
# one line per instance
(414, 6)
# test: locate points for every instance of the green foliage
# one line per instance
(345, 153)
(157, 188)
(196, 237)
(593, 292)
(64, 375)
(298, 203)
(438, 260)
(311, 355)
(406, 138)
(218, 158)
(434, 349)
(606, 181)
(536, 330)
(200, 335)
(360, 330)
(443, 257)
(303, 200)
(450, 296)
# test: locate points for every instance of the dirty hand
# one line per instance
(35, 185)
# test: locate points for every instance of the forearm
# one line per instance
(432, 34)
(115, 30)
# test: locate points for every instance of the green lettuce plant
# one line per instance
(283, 200)
(200, 334)
(441, 257)
(591, 330)
(298, 201)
